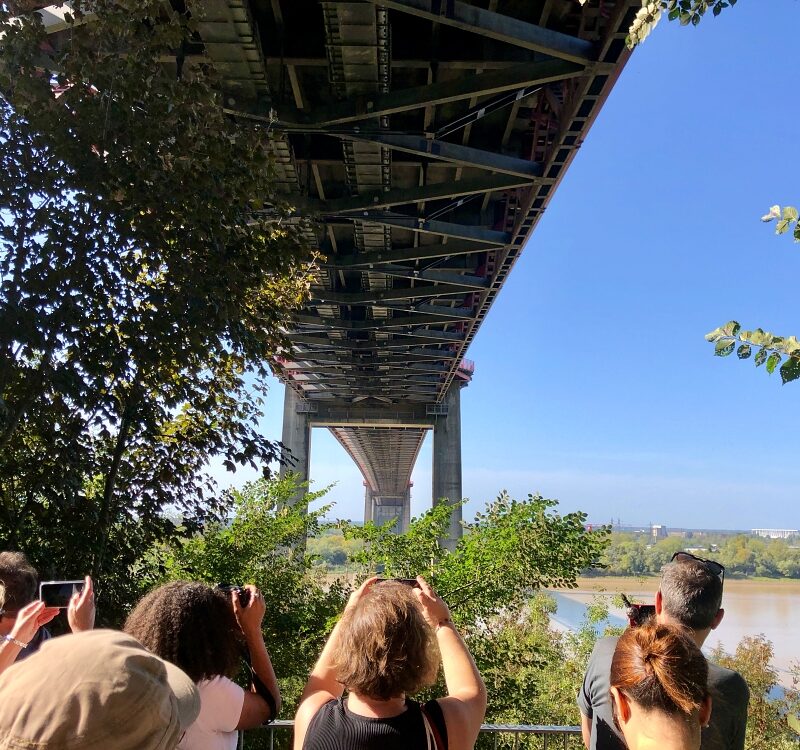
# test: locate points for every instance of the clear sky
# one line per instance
(593, 382)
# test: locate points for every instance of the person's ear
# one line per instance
(659, 602)
(705, 711)
(717, 618)
(622, 705)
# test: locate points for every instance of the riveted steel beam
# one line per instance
(446, 228)
(323, 297)
(436, 191)
(496, 26)
(455, 153)
(403, 100)
(399, 255)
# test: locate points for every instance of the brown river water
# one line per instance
(771, 608)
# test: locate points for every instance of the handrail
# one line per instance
(546, 731)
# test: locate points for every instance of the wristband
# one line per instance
(444, 623)
(11, 639)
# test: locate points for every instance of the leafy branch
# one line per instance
(686, 12)
(786, 219)
(771, 349)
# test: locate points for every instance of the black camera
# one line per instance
(244, 594)
(638, 614)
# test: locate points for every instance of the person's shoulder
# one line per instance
(727, 682)
(604, 647)
(219, 685)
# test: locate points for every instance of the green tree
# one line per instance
(767, 714)
(146, 267)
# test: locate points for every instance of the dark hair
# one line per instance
(691, 593)
(191, 625)
(660, 667)
(386, 647)
(19, 578)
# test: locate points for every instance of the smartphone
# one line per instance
(59, 593)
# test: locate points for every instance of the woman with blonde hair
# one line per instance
(383, 650)
(659, 688)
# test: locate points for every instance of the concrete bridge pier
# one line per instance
(381, 508)
(447, 460)
(296, 439)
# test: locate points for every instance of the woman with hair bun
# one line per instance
(659, 688)
(382, 650)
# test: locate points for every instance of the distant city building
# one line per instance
(776, 533)
(658, 531)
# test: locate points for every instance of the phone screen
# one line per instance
(59, 593)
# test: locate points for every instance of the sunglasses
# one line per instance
(711, 565)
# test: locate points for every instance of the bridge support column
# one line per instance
(369, 504)
(296, 438)
(405, 518)
(447, 461)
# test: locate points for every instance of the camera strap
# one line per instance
(261, 688)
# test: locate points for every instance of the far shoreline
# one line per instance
(614, 584)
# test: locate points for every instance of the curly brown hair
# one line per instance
(191, 625)
(386, 648)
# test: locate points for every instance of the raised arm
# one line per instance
(256, 709)
(465, 704)
(29, 619)
(322, 685)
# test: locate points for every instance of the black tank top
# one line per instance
(335, 727)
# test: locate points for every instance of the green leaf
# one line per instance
(724, 347)
(790, 370)
(761, 357)
(791, 344)
(772, 362)
(782, 226)
(790, 213)
(743, 352)
(759, 337)
(731, 328)
(714, 335)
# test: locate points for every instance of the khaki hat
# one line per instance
(95, 690)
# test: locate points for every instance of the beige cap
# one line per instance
(95, 690)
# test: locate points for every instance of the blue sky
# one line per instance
(593, 382)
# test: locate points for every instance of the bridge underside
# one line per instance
(425, 138)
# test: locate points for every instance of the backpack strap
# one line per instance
(435, 741)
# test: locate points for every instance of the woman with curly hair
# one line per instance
(204, 631)
(659, 688)
(382, 650)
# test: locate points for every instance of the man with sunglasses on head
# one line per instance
(690, 596)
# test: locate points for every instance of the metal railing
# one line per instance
(512, 736)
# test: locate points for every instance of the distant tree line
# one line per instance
(742, 555)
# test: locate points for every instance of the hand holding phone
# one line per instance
(81, 609)
(59, 593)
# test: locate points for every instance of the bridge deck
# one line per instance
(426, 137)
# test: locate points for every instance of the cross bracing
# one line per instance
(425, 138)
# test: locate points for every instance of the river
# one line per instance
(751, 607)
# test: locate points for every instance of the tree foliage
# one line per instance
(686, 12)
(264, 544)
(630, 554)
(511, 549)
(767, 712)
(142, 284)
